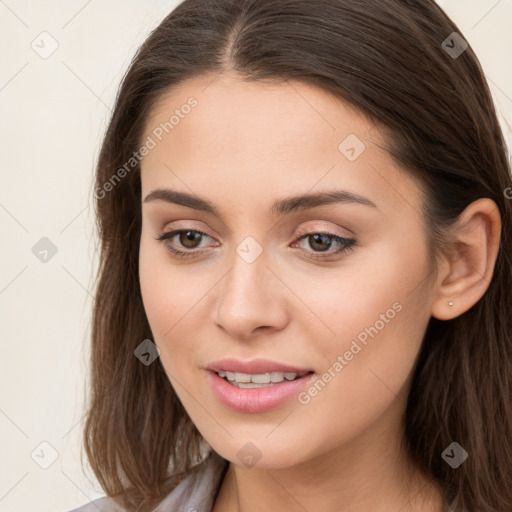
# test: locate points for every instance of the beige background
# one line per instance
(53, 113)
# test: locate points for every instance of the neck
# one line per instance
(370, 473)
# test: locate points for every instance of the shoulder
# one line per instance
(195, 492)
(104, 504)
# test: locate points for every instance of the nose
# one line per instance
(250, 298)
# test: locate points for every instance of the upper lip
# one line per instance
(255, 366)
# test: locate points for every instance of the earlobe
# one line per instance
(445, 311)
(466, 275)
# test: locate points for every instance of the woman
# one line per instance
(305, 283)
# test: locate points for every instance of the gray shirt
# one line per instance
(196, 492)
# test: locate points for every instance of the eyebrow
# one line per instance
(279, 208)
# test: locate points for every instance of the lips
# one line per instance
(256, 366)
(258, 400)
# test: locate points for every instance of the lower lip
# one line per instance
(256, 399)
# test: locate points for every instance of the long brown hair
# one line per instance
(388, 59)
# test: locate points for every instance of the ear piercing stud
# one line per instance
(450, 303)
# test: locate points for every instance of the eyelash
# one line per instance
(346, 244)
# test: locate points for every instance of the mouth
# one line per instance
(256, 386)
(257, 392)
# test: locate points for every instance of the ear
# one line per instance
(465, 274)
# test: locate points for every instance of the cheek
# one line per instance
(167, 296)
(174, 298)
(363, 293)
(379, 318)
(168, 291)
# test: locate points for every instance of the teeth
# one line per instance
(257, 378)
(242, 377)
(276, 377)
(248, 384)
(260, 378)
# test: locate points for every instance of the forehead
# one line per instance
(260, 137)
(280, 111)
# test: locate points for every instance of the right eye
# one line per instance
(187, 238)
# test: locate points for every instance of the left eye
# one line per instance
(189, 239)
(323, 241)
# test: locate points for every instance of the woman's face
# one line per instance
(272, 174)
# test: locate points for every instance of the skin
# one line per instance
(242, 147)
